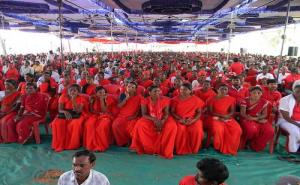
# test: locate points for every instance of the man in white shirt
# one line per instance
(108, 70)
(54, 75)
(264, 74)
(25, 69)
(289, 117)
(82, 173)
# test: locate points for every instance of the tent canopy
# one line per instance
(147, 20)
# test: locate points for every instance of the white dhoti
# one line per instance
(294, 134)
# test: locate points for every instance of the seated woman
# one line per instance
(124, 123)
(9, 107)
(210, 172)
(89, 88)
(186, 109)
(67, 127)
(97, 133)
(289, 118)
(155, 132)
(50, 87)
(256, 128)
(226, 132)
(29, 78)
(33, 108)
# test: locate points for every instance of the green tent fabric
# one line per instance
(28, 164)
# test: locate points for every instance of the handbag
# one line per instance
(73, 113)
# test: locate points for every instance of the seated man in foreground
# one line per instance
(210, 172)
(82, 173)
(289, 118)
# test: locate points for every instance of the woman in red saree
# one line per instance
(155, 132)
(129, 106)
(97, 133)
(50, 87)
(12, 73)
(225, 130)
(257, 131)
(186, 109)
(89, 88)
(67, 127)
(9, 106)
(22, 85)
(33, 107)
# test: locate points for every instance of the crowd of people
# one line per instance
(154, 103)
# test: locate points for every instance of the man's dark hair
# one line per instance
(235, 60)
(187, 85)
(133, 83)
(31, 84)
(99, 88)
(271, 81)
(255, 88)
(152, 87)
(12, 82)
(91, 155)
(213, 170)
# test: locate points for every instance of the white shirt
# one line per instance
(95, 178)
(107, 73)
(5, 69)
(54, 75)
(287, 104)
(267, 76)
(282, 77)
(195, 84)
(25, 70)
(219, 66)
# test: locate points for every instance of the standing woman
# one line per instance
(186, 109)
(256, 128)
(67, 127)
(225, 130)
(9, 106)
(155, 132)
(98, 132)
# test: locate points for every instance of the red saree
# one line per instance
(189, 137)
(8, 131)
(97, 132)
(146, 139)
(226, 134)
(257, 134)
(122, 127)
(67, 134)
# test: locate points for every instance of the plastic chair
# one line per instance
(35, 124)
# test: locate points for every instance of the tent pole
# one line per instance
(61, 32)
(111, 34)
(207, 43)
(283, 37)
(69, 46)
(2, 40)
(229, 39)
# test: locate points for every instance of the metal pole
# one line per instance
(127, 52)
(69, 44)
(136, 43)
(2, 40)
(229, 39)
(207, 43)
(283, 38)
(61, 32)
(111, 33)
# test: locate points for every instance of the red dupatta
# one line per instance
(255, 109)
(8, 101)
